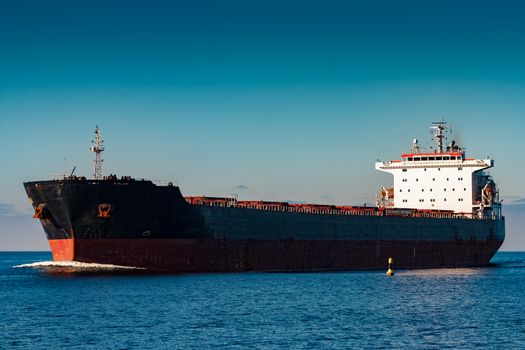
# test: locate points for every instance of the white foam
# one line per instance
(77, 265)
(452, 272)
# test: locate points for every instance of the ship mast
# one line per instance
(439, 128)
(97, 148)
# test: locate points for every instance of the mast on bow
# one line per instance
(97, 148)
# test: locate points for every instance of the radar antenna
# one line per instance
(439, 128)
(415, 146)
(97, 148)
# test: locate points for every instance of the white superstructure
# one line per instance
(440, 179)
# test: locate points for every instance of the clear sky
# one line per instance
(275, 100)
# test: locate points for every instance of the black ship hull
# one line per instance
(135, 223)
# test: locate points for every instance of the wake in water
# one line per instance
(511, 263)
(76, 266)
(442, 272)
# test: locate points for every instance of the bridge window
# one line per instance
(424, 158)
(431, 158)
(404, 170)
(439, 158)
(460, 168)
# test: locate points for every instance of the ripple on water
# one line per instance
(422, 309)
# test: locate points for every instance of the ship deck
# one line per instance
(323, 209)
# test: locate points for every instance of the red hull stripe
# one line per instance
(62, 249)
(208, 255)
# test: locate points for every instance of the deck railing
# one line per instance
(332, 210)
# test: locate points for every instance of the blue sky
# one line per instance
(279, 100)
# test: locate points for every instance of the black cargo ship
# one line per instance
(124, 221)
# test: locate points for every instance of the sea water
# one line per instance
(50, 305)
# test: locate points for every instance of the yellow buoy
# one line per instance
(390, 271)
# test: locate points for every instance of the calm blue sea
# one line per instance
(47, 307)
